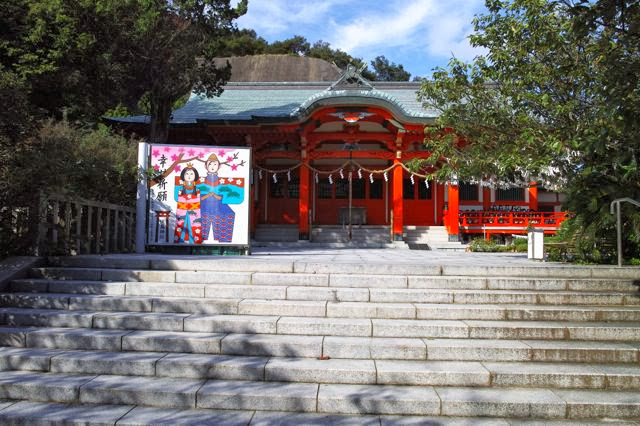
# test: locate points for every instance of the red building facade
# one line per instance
(322, 150)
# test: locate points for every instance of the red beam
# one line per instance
(294, 155)
(381, 155)
(342, 136)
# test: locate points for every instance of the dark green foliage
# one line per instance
(83, 58)
(389, 71)
(296, 45)
(60, 157)
(247, 42)
(241, 43)
(481, 245)
(556, 98)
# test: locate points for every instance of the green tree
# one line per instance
(242, 43)
(323, 50)
(389, 71)
(296, 45)
(85, 57)
(555, 99)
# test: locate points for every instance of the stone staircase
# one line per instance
(276, 233)
(431, 238)
(168, 340)
(361, 236)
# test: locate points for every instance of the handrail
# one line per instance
(616, 204)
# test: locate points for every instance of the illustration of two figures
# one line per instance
(203, 204)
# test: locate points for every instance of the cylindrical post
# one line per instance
(619, 232)
(141, 197)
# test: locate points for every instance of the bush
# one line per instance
(93, 164)
(481, 245)
(521, 245)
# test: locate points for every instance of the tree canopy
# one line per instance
(247, 42)
(85, 57)
(555, 99)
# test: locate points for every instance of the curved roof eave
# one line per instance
(361, 98)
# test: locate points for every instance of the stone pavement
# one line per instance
(390, 255)
(320, 336)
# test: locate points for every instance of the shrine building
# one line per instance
(323, 149)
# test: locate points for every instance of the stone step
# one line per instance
(310, 370)
(268, 323)
(52, 275)
(382, 291)
(325, 398)
(27, 412)
(301, 306)
(50, 413)
(446, 349)
(260, 264)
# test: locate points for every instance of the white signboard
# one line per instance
(198, 195)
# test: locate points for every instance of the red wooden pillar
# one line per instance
(303, 202)
(486, 198)
(533, 196)
(453, 211)
(398, 200)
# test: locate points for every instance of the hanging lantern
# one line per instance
(288, 175)
(331, 179)
(341, 174)
(359, 173)
(275, 178)
(386, 177)
(426, 183)
(260, 174)
(413, 182)
(371, 177)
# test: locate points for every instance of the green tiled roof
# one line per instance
(244, 102)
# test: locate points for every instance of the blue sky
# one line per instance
(420, 34)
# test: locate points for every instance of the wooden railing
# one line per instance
(510, 222)
(68, 225)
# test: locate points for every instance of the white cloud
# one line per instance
(272, 17)
(438, 28)
(373, 28)
(410, 32)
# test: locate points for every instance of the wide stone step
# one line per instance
(262, 264)
(446, 349)
(309, 370)
(27, 412)
(50, 413)
(313, 397)
(343, 291)
(325, 326)
(303, 301)
(337, 279)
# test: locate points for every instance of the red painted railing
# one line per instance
(498, 222)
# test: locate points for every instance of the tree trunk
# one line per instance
(160, 116)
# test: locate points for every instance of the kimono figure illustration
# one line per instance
(215, 213)
(187, 194)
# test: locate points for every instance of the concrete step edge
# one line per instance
(43, 304)
(342, 347)
(337, 371)
(327, 398)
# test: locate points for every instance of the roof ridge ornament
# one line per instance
(352, 78)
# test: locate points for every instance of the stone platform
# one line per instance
(320, 336)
